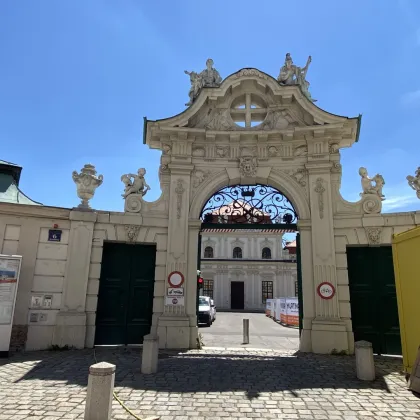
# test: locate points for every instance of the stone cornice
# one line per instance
(180, 168)
(319, 167)
(8, 209)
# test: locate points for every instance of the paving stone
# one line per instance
(210, 384)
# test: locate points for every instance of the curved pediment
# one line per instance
(250, 100)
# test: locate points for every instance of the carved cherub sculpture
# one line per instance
(371, 185)
(135, 183)
(414, 182)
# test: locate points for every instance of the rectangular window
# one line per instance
(267, 290)
(208, 288)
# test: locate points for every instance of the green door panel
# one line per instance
(373, 301)
(125, 297)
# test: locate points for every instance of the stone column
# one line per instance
(328, 330)
(70, 326)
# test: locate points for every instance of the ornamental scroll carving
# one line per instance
(320, 190)
(179, 190)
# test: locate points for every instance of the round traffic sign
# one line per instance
(176, 279)
(174, 301)
(326, 290)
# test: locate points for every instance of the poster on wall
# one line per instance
(9, 276)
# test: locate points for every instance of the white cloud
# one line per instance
(411, 98)
(392, 203)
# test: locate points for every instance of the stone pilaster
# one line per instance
(70, 328)
(328, 331)
(174, 325)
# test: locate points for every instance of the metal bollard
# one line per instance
(100, 391)
(246, 331)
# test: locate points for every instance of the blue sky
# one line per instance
(77, 78)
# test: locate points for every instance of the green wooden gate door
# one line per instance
(125, 298)
(373, 299)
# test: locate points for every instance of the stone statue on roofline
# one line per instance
(291, 74)
(135, 183)
(209, 77)
(414, 182)
(371, 185)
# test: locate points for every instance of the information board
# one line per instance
(9, 280)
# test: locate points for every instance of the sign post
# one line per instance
(9, 279)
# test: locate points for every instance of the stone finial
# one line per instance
(414, 182)
(371, 185)
(209, 77)
(291, 74)
(86, 182)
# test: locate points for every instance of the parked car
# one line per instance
(206, 310)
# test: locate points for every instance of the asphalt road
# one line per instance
(264, 333)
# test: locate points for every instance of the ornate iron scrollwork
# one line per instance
(256, 204)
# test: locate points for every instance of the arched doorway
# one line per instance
(250, 226)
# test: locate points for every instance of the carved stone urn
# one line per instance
(86, 182)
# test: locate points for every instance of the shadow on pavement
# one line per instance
(194, 371)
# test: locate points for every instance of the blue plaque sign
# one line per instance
(54, 235)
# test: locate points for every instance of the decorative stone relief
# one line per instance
(275, 120)
(374, 235)
(198, 152)
(414, 182)
(166, 148)
(336, 167)
(251, 72)
(198, 177)
(299, 175)
(334, 148)
(301, 151)
(222, 151)
(179, 190)
(371, 185)
(248, 166)
(86, 182)
(294, 75)
(220, 120)
(371, 204)
(132, 232)
(272, 151)
(320, 190)
(209, 77)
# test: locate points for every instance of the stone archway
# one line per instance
(287, 142)
(296, 195)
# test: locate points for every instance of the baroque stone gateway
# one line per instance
(103, 279)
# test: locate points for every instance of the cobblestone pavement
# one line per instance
(264, 332)
(211, 383)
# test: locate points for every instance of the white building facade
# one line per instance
(242, 268)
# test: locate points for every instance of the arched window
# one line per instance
(208, 252)
(266, 253)
(237, 252)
